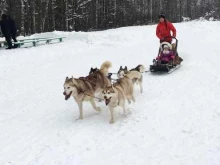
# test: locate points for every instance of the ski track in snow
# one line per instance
(175, 121)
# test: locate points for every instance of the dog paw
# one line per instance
(98, 109)
(125, 114)
(111, 121)
(80, 118)
(129, 101)
(128, 111)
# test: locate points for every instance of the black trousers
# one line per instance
(8, 39)
(13, 36)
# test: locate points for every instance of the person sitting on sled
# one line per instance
(166, 55)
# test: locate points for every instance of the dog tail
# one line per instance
(140, 68)
(104, 67)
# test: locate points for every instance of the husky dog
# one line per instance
(138, 71)
(114, 96)
(84, 88)
(92, 70)
(120, 91)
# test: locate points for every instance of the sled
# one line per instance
(166, 67)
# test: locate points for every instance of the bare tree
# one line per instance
(3, 6)
(22, 16)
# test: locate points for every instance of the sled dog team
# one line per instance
(99, 82)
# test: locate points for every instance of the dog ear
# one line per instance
(91, 70)
(66, 78)
(113, 89)
(120, 68)
(74, 81)
(126, 68)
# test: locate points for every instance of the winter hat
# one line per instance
(162, 16)
(166, 46)
(4, 16)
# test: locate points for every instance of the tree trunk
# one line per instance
(53, 14)
(67, 21)
(33, 17)
(22, 17)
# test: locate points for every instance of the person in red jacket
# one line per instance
(164, 29)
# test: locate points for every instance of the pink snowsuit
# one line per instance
(166, 57)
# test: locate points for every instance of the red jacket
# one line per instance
(163, 30)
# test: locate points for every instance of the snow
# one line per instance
(174, 122)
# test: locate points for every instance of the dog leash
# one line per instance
(113, 73)
(141, 72)
(92, 96)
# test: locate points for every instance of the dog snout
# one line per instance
(105, 97)
(64, 93)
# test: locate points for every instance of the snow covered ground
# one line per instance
(176, 121)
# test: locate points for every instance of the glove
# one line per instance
(162, 39)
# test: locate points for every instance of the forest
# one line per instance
(36, 16)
